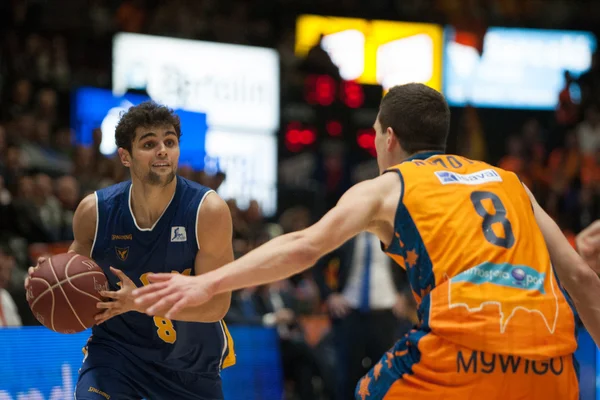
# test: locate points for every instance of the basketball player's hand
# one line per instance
(168, 294)
(31, 269)
(588, 245)
(121, 300)
(338, 305)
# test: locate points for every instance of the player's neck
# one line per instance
(148, 202)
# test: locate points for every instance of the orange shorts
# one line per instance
(426, 367)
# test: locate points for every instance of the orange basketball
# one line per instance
(64, 291)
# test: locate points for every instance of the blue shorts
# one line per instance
(110, 374)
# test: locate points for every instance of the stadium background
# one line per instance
(277, 100)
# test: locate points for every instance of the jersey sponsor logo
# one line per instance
(178, 234)
(122, 252)
(122, 237)
(475, 178)
(480, 362)
(515, 276)
(501, 285)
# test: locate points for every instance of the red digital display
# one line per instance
(297, 136)
(366, 139)
(325, 90)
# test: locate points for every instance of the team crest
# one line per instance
(122, 253)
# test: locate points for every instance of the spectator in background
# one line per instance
(131, 16)
(49, 207)
(565, 161)
(9, 315)
(366, 297)
(275, 306)
(68, 194)
(588, 131)
(514, 159)
(567, 111)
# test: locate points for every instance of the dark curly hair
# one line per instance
(147, 114)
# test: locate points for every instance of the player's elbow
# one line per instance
(221, 307)
(212, 311)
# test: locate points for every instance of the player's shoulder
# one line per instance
(189, 185)
(113, 191)
(87, 206)
(86, 217)
(202, 199)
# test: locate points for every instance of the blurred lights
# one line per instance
(297, 137)
(366, 140)
(334, 128)
(352, 94)
(323, 90)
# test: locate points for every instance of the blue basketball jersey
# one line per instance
(169, 246)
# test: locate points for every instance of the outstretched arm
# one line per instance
(580, 281)
(588, 245)
(277, 259)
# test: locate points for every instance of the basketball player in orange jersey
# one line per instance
(480, 254)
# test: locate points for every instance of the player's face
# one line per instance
(155, 155)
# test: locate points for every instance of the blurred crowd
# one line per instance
(45, 52)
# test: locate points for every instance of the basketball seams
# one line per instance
(42, 295)
(39, 296)
(68, 278)
(61, 282)
(63, 290)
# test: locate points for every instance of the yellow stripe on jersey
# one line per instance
(230, 357)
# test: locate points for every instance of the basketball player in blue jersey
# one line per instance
(157, 222)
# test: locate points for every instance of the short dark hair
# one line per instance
(147, 114)
(418, 115)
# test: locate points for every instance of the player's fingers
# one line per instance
(27, 282)
(107, 304)
(109, 294)
(592, 241)
(144, 291)
(100, 318)
(155, 295)
(120, 274)
(177, 307)
(148, 299)
(164, 304)
(162, 277)
(30, 270)
(592, 230)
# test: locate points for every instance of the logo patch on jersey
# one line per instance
(509, 287)
(122, 237)
(475, 178)
(122, 252)
(178, 234)
(514, 276)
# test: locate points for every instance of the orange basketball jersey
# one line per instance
(476, 259)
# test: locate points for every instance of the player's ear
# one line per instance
(125, 157)
(390, 139)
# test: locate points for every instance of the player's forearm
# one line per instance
(278, 259)
(211, 311)
(583, 286)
